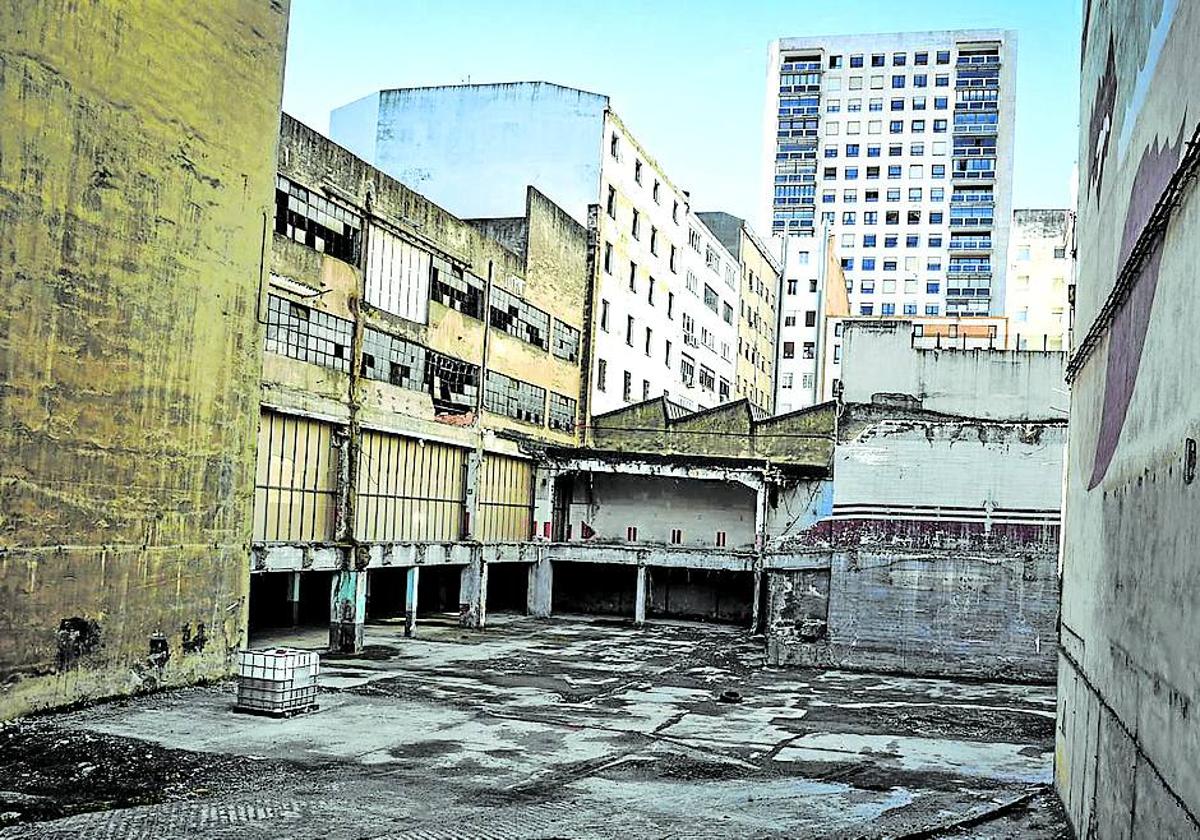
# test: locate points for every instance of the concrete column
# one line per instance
(471, 494)
(293, 596)
(411, 586)
(755, 618)
(341, 497)
(541, 588)
(347, 611)
(472, 598)
(760, 518)
(639, 598)
(543, 503)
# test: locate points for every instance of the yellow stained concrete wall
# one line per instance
(136, 173)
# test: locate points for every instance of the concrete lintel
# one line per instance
(796, 560)
(649, 555)
(752, 477)
(297, 557)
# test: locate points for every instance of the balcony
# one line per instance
(970, 243)
(801, 67)
(978, 61)
(985, 129)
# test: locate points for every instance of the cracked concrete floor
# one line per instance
(547, 729)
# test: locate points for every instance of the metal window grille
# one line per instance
(453, 383)
(409, 489)
(307, 334)
(566, 341)
(389, 358)
(456, 289)
(295, 479)
(505, 499)
(514, 398)
(520, 318)
(316, 221)
(562, 412)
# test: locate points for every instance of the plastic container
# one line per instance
(280, 681)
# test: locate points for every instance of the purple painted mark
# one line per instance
(1127, 335)
(1100, 127)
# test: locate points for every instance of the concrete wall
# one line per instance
(474, 148)
(136, 173)
(610, 504)
(932, 551)
(880, 366)
(1128, 733)
(934, 613)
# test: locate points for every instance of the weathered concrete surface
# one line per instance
(1129, 735)
(136, 169)
(993, 384)
(960, 612)
(543, 729)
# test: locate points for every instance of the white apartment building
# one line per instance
(810, 273)
(1040, 268)
(708, 314)
(474, 149)
(901, 146)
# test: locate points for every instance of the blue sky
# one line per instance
(688, 78)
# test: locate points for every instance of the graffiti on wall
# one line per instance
(1134, 143)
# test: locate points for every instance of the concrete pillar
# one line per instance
(341, 496)
(755, 618)
(541, 588)
(760, 518)
(639, 598)
(411, 586)
(471, 494)
(293, 596)
(472, 598)
(543, 503)
(347, 611)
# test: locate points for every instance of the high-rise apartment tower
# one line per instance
(901, 146)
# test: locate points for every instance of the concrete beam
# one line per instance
(632, 554)
(752, 477)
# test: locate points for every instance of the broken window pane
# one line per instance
(514, 398)
(307, 334)
(316, 221)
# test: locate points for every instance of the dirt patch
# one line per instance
(50, 772)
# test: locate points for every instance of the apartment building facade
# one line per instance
(469, 146)
(758, 310)
(813, 292)
(1040, 270)
(900, 145)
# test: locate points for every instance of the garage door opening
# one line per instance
(385, 594)
(508, 588)
(438, 591)
(595, 588)
(273, 604)
(701, 595)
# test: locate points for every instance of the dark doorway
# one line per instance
(701, 595)
(508, 588)
(270, 606)
(438, 590)
(595, 588)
